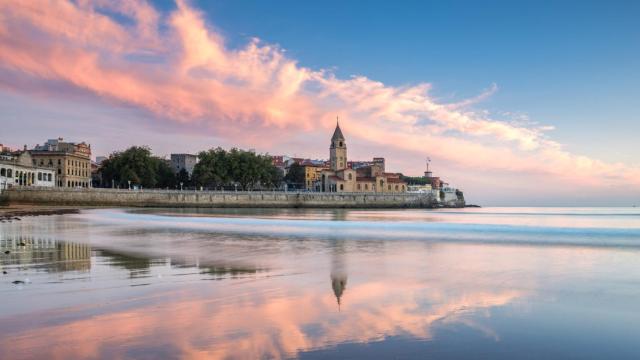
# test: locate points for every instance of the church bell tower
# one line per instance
(338, 150)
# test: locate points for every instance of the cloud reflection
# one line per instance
(265, 319)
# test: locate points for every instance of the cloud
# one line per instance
(177, 67)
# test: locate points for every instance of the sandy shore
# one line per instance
(15, 212)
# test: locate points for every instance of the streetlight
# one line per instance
(236, 186)
(129, 182)
(180, 185)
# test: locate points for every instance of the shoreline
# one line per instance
(222, 199)
(13, 212)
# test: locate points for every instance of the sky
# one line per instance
(528, 103)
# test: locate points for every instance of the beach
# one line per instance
(498, 283)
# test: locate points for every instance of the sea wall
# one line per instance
(171, 198)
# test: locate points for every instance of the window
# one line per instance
(3, 172)
(59, 162)
(59, 171)
(48, 177)
(359, 187)
(50, 162)
(402, 187)
(9, 173)
(341, 187)
(350, 176)
(366, 186)
(389, 187)
(396, 187)
(39, 176)
(41, 162)
(340, 144)
(381, 183)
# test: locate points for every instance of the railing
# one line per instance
(213, 192)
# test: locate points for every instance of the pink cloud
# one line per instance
(186, 73)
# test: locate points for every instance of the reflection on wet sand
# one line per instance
(136, 290)
(44, 254)
(272, 318)
(338, 270)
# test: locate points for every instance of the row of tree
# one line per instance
(137, 166)
(216, 169)
(219, 168)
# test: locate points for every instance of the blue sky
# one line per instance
(572, 64)
(516, 102)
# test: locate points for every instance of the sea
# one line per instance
(473, 283)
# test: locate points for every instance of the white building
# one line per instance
(18, 170)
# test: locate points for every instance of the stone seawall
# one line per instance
(217, 199)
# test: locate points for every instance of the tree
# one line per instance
(213, 168)
(219, 168)
(183, 178)
(138, 166)
(295, 176)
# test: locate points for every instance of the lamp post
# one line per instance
(129, 182)
(236, 187)
(181, 185)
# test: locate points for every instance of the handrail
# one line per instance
(220, 192)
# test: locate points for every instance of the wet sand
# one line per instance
(315, 284)
(17, 211)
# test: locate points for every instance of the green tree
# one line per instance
(213, 169)
(220, 168)
(183, 177)
(139, 166)
(295, 176)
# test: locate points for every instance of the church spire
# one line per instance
(337, 133)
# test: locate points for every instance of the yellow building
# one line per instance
(341, 178)
(72, 161)
(312, 174)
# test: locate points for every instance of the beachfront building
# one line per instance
(17, 169)
(184, 161)
(70, 161)
(312, 173)
(343, 176)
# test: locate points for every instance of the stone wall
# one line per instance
(171, 198)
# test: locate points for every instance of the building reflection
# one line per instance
(338, 270)
(44, 254)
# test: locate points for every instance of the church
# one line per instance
(344, 176)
